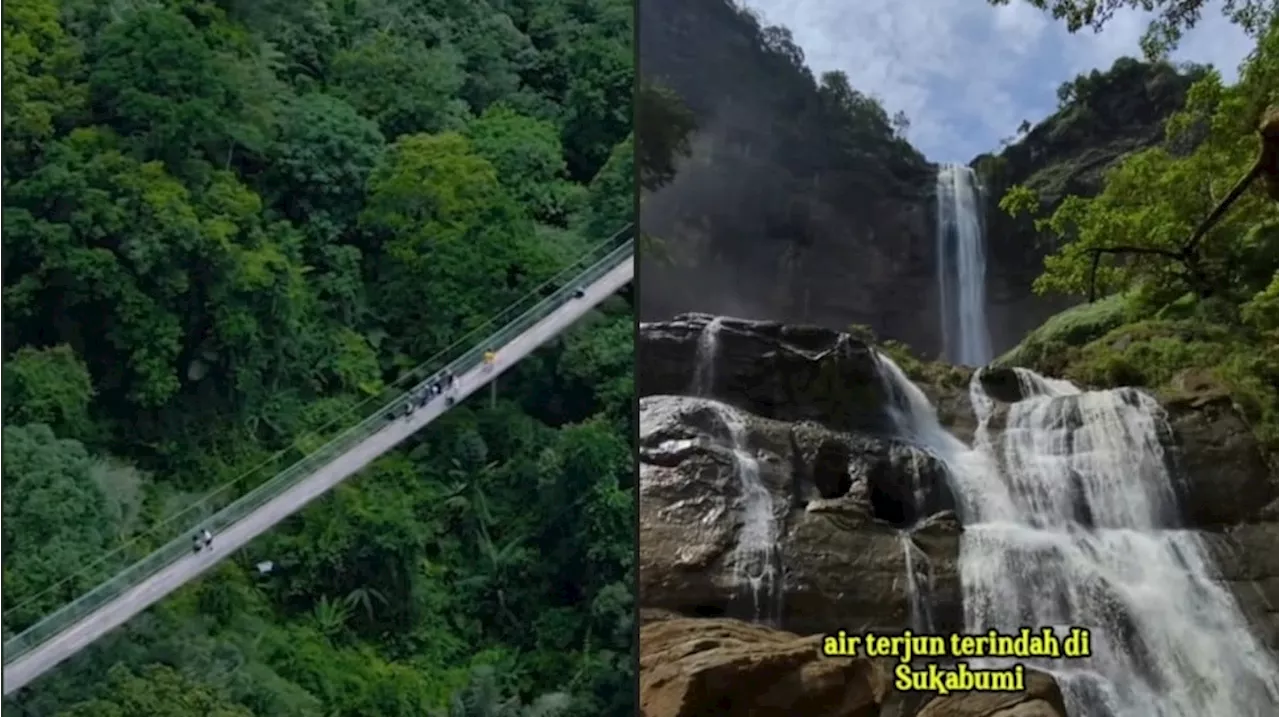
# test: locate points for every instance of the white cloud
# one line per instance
(967, 73)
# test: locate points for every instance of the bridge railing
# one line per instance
(518, 317)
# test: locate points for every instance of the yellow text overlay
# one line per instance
(907, 646)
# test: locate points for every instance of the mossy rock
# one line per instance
(1148, 353)
(1048, 348)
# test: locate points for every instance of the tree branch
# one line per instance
(1265, 164)
(1099, 251)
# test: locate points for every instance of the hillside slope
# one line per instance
(1104, 116)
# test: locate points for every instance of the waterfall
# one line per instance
(1070, 519)
(962, 267)
(704, 367)
(756, 556)
(918, 591)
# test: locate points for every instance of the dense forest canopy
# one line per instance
(225, 224)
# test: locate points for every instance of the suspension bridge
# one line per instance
(71, 628)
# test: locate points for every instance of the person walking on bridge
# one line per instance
(489, 357)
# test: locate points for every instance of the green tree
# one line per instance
(50, 386)
(318, 165)
(401, 83)
(528, 158)
(483, 697)
(1173, 18)
(452, 246)
(56, 522)
(43, 88)
(664, 127)
(163, 83)
(157, 691)
(1146, 226)
(611, 197)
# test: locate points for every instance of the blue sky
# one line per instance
(967, 73)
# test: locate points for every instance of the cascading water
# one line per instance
(916, 421)
(1068, 517)
(756, 555)
(918, 590)
(755, 558)
(962, 267)
(704, 367)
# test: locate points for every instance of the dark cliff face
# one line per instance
(800, 202)
(1106, 116)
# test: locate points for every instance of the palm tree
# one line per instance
(365, 597)
(330, 615)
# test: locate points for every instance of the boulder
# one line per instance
(727, 668)
(1041, 698)
(1225, 478)
(1001, 383)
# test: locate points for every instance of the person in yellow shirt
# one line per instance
(489, 357)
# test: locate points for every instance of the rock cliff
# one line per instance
(1103, 117)
(802, 201)
(843, 490)
(795, 186)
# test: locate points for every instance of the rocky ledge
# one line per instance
(771, 370)
(809, 407)
(727, 668)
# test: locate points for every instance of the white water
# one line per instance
(918, 590)
(962, 267)
(704, 367)
(755, 557)
(1066, 518)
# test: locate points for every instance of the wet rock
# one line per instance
(691, 500)
(1001, 384)
(777, 371)
(841, 560)
(901, 483)
(1245, 561)
(955, 410)
(1224, 474)
(846, 570)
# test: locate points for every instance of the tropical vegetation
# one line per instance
(228, 223)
